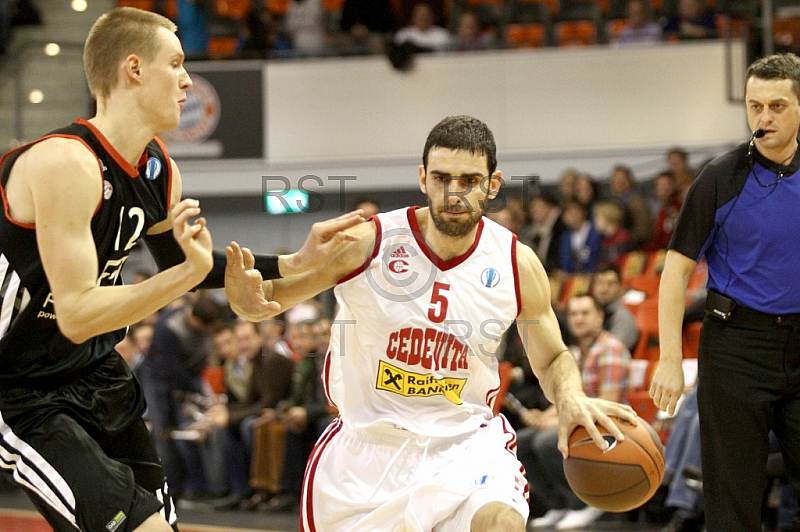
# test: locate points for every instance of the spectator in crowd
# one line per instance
(404, 9)
(306, 412)
(694, 20)
(604, 363)
(580, 245)
(193, 28)
(566, 185)
(638, 216)
(607, 289)
(366, 22)
(306, 24)
(369, 206)
(422, 33)
(544, 233)
(469, 34)
(509, 213)
(586, 191)
(608, 218)
(260, 37)
(257, 379)
(639, 28)
(670, 200)
(171, 372)
(678, 164)
(682, 449)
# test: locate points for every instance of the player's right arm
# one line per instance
(668, 380)
(553, 364)
(254, 299)
(61, 186)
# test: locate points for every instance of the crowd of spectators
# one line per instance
(302, 28)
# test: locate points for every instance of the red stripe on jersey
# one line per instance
(112, 151)
(375, 250)
(516, 272)
(169, 173)
(326, 376)
(307, 503)
(29, 144)
(443, 265)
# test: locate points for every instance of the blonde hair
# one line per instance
(114, 36)
(612, 211)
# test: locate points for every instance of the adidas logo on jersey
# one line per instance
(399, 253)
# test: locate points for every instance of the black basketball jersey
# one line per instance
(33, 352)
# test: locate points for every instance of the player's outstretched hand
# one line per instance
(581, 410)
(193, 238)
(668, 384)
(244, 286)
(324, 240)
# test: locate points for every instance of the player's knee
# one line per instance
(154, 523)
(497, 517)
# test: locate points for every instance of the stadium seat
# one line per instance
(691, 339)
(277, 8)
(233, 8)
(614, 27)
(530, 35)
(146, 5)
(504, 369)
(572, 286)
(633, 264)
(786, 32)
(645, 283)
(647, 324)
(222, 46)
(576, 33)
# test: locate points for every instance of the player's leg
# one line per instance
(497, 517)
(71, 480)
(154, 523)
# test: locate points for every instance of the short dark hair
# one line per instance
(581, 295)
(462, 132)
(777, 67)
(608, 267)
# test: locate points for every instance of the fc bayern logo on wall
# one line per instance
(200, 114)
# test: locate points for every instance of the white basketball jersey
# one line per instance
(415, 340)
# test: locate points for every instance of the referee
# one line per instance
(742, 213)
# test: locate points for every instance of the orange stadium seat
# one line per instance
(576, 33)
(691, 339)
(734, 28)
(223, 46)
(277, 8)
(614, 27)
(633, 264)
(504, 369)
(574, 285)
(645, 283)
(146, 5)
(233, 8)
(333, 5)
(786, 31)
(647, 324)
(532, 35)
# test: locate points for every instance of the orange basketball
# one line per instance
(623, 477)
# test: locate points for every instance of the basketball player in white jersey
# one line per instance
(424, 297)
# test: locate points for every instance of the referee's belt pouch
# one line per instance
(719, 306)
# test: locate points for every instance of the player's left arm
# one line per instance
(321, 244)
(553, 364)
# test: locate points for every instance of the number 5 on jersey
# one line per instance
(437, 312)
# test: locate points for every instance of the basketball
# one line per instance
(623, 477)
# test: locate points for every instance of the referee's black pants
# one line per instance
(749, 384)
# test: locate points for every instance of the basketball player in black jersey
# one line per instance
(76, 201)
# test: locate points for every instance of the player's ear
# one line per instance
(422, 186)
(493, 183)
(132, 67)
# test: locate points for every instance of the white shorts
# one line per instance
(390, 480)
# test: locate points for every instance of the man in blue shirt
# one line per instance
(742, 214)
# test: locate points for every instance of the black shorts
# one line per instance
(83, 453)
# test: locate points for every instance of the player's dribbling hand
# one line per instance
(586, 411)
(324, 240)
(244, 286)
(193, 238)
